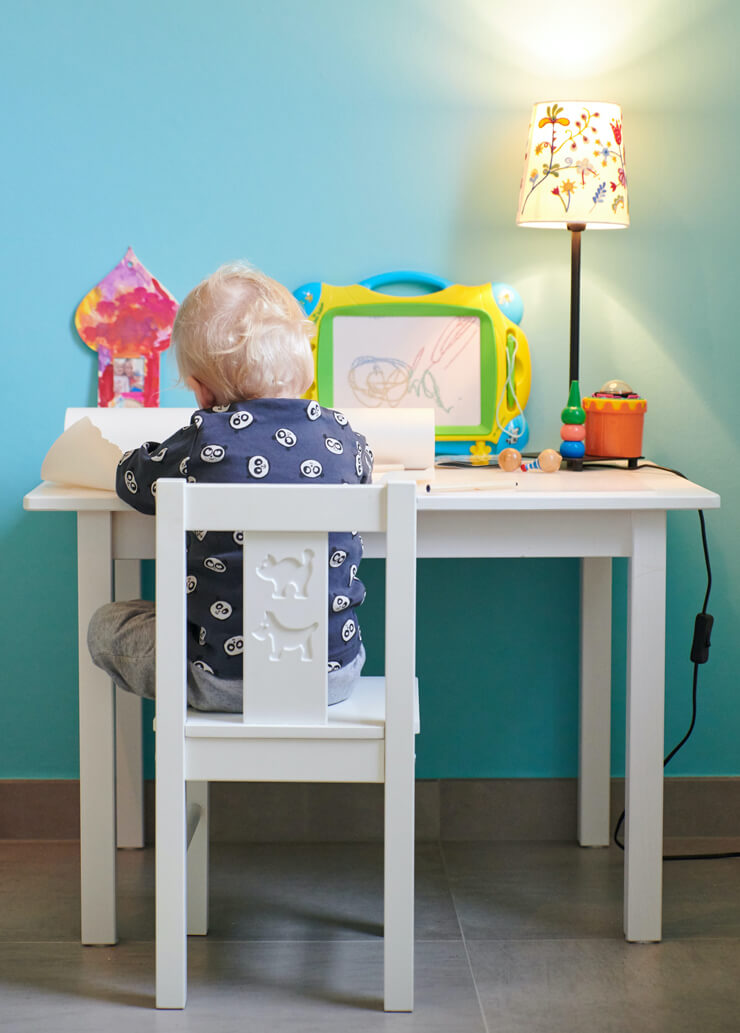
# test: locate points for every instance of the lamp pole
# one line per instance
(576, 229)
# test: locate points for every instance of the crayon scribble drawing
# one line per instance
(127, 319)
(410, 362)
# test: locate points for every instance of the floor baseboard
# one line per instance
(447, 809)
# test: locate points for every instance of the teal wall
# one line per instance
(334, 140)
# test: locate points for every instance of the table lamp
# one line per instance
(574, 178)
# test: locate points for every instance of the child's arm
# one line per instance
(139, 470)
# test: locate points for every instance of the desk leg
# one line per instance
(643, 868)
(595, 701)
(97, 740)
(129, 776)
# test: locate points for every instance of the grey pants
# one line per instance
(121, 640)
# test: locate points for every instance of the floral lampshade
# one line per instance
(574, 167)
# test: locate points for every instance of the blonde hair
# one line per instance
(244, 335)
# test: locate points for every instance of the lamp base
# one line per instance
(578, 464)
(631, 461)
(587, 460)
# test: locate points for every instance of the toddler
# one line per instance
(242, 346)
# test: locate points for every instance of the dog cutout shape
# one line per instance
(284, 639)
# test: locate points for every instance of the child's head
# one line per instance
(242, 335)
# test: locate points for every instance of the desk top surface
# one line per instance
(478, 489)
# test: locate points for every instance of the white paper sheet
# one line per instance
(404, 436)
(89, 449)
(83, 457)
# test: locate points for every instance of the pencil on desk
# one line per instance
(445, 489)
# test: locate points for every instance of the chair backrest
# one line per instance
(283, 530)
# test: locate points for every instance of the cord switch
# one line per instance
(702, 638)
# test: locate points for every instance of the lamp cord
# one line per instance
(703, 622)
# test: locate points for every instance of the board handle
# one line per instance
(436, 283)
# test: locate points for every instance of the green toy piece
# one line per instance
(573, 412)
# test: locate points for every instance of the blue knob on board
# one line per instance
(509, 300)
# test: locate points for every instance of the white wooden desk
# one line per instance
(594, 515)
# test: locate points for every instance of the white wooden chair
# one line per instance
(287, 732)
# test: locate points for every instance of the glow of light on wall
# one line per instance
(572, 39)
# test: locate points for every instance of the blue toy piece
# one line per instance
(409, 276)
(308, 295)
(509, 301)
(516, 434)
(572, 449)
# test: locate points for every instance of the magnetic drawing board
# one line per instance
(457, 348)
(411, 355)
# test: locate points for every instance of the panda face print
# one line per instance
(337, 558)
(311, 468)
(341, 419)
(203, 666)
(200, 535)
(234, 645)
(215, 564)
(238, 537)
(197, 420)
(191, 480)
(221, 610)
(258, 466)
(369, 457)
(339, 603)
(130, 482)
(191, 583)
(212, 453)
(334, 445)
(220, 408)
(159, 456)
(125, 456)
(349, 629)
(352, 573)
(358, 463)
(184, 466)
(334, 665)
(313, 410)
(285, 437)
(153, 489)
(202, 637)
(240, 420)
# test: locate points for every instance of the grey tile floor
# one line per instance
(521, 937)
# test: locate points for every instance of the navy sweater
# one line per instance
(270, 440)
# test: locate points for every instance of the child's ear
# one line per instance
(203, 395)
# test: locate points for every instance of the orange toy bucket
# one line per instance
(614, 426)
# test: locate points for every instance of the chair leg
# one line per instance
(170, 866)
(399, 895)
(196, 796)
